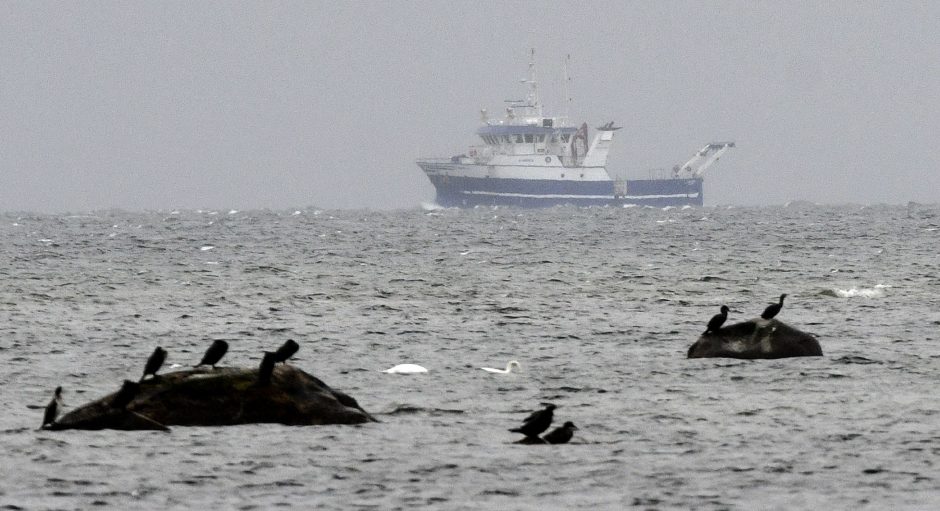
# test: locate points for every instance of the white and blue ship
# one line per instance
(528, 159)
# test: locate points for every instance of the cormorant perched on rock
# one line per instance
(773, 308)
(536, 423)
(52, 409)
(286, 351)
(154, 363)
(127, 394)
(214, 354)
(561, 435)
(267, 368)
(717, 320)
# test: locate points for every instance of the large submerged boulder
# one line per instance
(756, 338)
(220, 397)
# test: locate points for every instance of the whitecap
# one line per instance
(207, 247)
(853, 292)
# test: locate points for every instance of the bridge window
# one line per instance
(518, 139)
(565, 138)
(528, 139)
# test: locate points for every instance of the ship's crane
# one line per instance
(715, 148)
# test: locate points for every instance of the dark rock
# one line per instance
(756, 338)
(224, 397)
(101, 415)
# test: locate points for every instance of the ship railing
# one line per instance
(662, 173)
(480, 153)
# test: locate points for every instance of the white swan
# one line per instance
(508, 369)
(406, 369)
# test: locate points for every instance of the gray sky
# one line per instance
(156, 105)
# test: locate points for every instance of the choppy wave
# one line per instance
(599, 305)
(431, 206)
(877, 291)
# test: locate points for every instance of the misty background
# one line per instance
(155, 105)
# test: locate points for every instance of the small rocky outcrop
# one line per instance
(756, 338)
(220, 397)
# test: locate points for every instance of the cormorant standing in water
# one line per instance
(773, 308)
(266, 369)
(154, 363)
(561, 435)
(717, 320)
(124, 396)
(286, 351)
(214, 354)
(536, 423)
(52, 409)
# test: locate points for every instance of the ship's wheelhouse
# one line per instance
(528, 139)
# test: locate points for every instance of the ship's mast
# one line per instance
(567, 92)
(533, 100)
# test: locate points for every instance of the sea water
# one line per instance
(599, 306)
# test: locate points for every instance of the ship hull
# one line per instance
(459, 191)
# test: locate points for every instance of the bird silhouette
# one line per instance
(773, 308)
(215, 353)
(286, 351)
(266, 369)
(154, 363)
(717, 320)
(52, 409)
(561, 435)
(536, 423)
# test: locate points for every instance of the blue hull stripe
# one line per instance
(467, 192)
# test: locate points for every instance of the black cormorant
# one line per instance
(561, 435)
(717, 320)
(154, 362)
(52, 409)
(773, 308)
(286, 351)
(214, 354)
(536, 423)
(266, 369)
